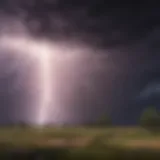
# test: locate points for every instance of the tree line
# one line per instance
(149, 119)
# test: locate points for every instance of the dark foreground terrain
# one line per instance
(79, 143)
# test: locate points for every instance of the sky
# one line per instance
(117, 71)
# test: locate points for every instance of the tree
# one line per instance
(150, 119)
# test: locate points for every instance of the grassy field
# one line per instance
(77, 143)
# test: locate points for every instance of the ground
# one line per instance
(82, 140)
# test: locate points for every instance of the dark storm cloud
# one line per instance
(109, 24)
(130, 32)
(152, 89)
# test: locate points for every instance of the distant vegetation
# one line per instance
(150, 119)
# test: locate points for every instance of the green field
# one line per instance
(77, 143)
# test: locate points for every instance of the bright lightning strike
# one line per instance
(45, 81)
(72, 65)
(43, 53)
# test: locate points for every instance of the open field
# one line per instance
(78, 143)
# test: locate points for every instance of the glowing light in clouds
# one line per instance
(39, 50)
(62, 68)
(65, 62)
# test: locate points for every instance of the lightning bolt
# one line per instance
(40, 51)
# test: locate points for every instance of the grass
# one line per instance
(79, 143)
